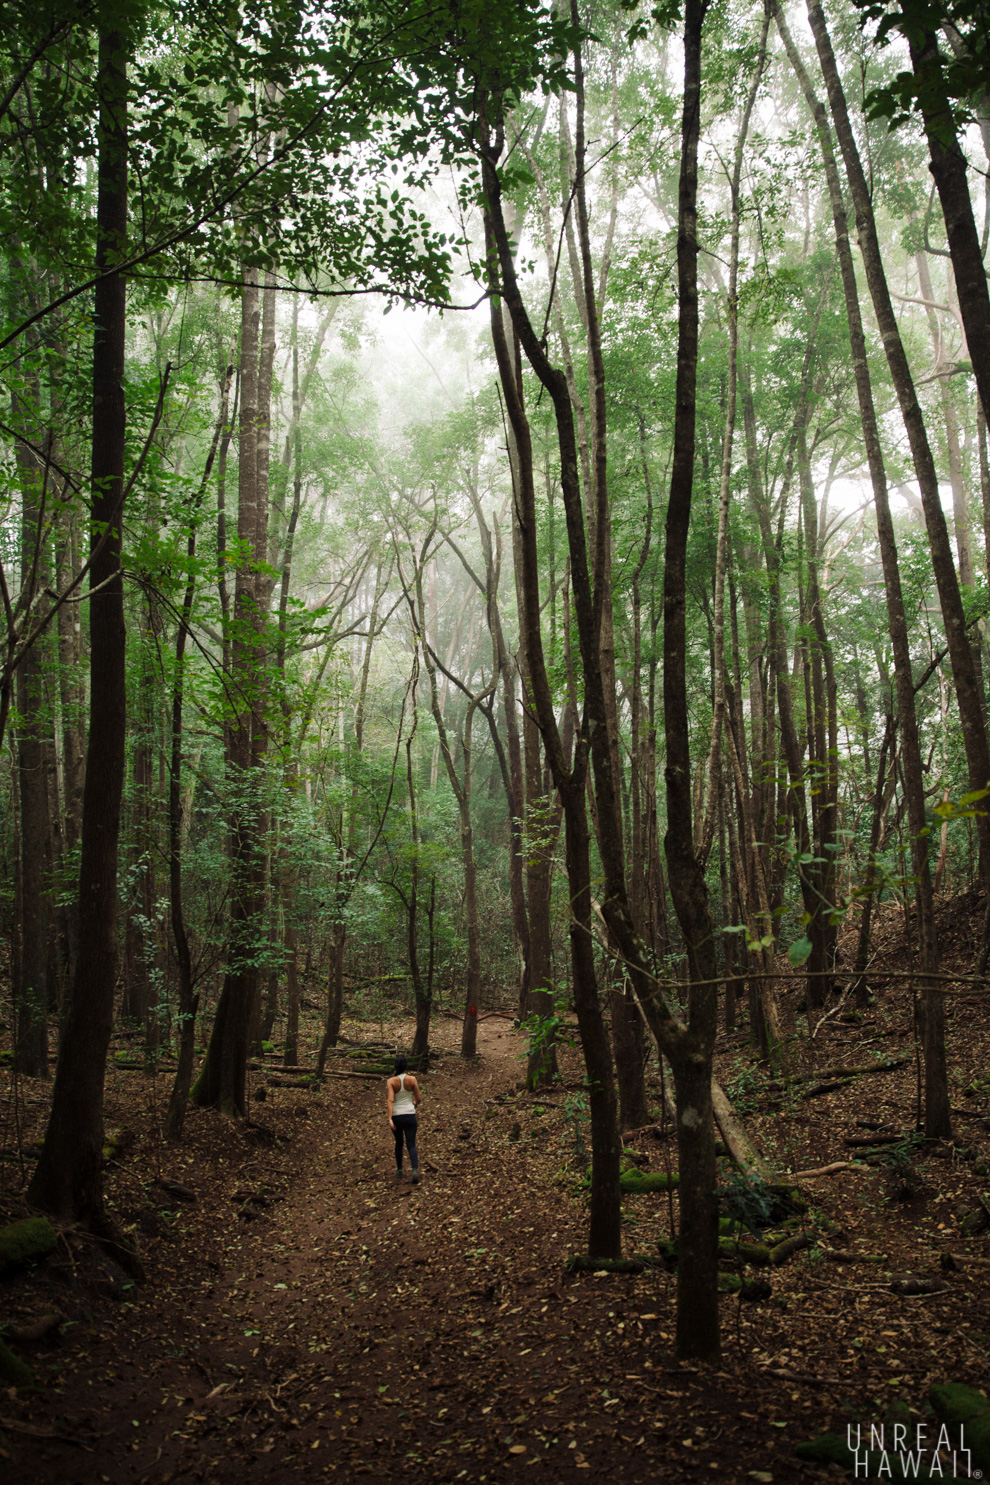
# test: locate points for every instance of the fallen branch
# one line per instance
(789, 1376)
(823, 1088)
(855, 1142)
(630, 1134)
(825, 1170)
(35, 1330)
(282, 1067)
(176, 1188)
(375, 1077)
(32, 1431)
(916, 1287)
(838, 1077)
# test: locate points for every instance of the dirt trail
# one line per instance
(353, 1326)
(306, 1318)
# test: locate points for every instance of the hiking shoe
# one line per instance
(415, 1177)
(398, 1175)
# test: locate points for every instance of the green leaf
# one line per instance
(799, 951)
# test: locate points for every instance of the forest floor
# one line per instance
(305, 1317)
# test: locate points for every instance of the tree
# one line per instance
(68, 1177)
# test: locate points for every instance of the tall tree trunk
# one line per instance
(72, 700)
(950, 599)
(937, 1105)
(33, 728)
(422, 990)
(604, 1234)
(222, 1079)
(188, 996)
(68, 1179)
(691, 1062)
(949, 172)
(461, 787)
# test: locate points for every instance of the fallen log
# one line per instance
(177, 1189)
(35, 1330)
(735, 1138)
(853, 1070)
(789, 1246)
(822, 1088)
(839, 1077)
(638, 1182)
(580, 1264)
(918, 1286)
(257, 1066)
(376, 1077)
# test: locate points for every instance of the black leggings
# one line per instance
(405, 1127)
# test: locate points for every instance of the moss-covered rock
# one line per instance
(32, 1237)
(637, 1182)
(957, 1405)
(13, 1371)
(833, 1448)
(954, 1402)
(977, 1441)
(898, 1412)
(116, 1143)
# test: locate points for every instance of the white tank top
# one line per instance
(403, 1100)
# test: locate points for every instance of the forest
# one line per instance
(494, 571)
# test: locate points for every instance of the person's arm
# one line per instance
(391, 1100)
(417, 1097)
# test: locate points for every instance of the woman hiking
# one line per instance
(403, 1101)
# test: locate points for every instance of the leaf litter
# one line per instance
(306, 1318)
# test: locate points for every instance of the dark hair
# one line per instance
(400, 1064)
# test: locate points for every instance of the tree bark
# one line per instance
(604, 1233)
(68, 1178)
(937, 1106)
(950, 599)
(30, 986)
(691, 1059)
(222, 1079)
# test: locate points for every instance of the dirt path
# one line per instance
(305, 1317)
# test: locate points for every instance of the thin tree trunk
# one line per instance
(222, 1079)
(188, 996)
(937, 1107)
(691, 1062)
(31, 989)
(950, 598)
(604, 1235)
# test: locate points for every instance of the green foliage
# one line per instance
(748, 1200)
(746, 1087)
(902, 1177)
